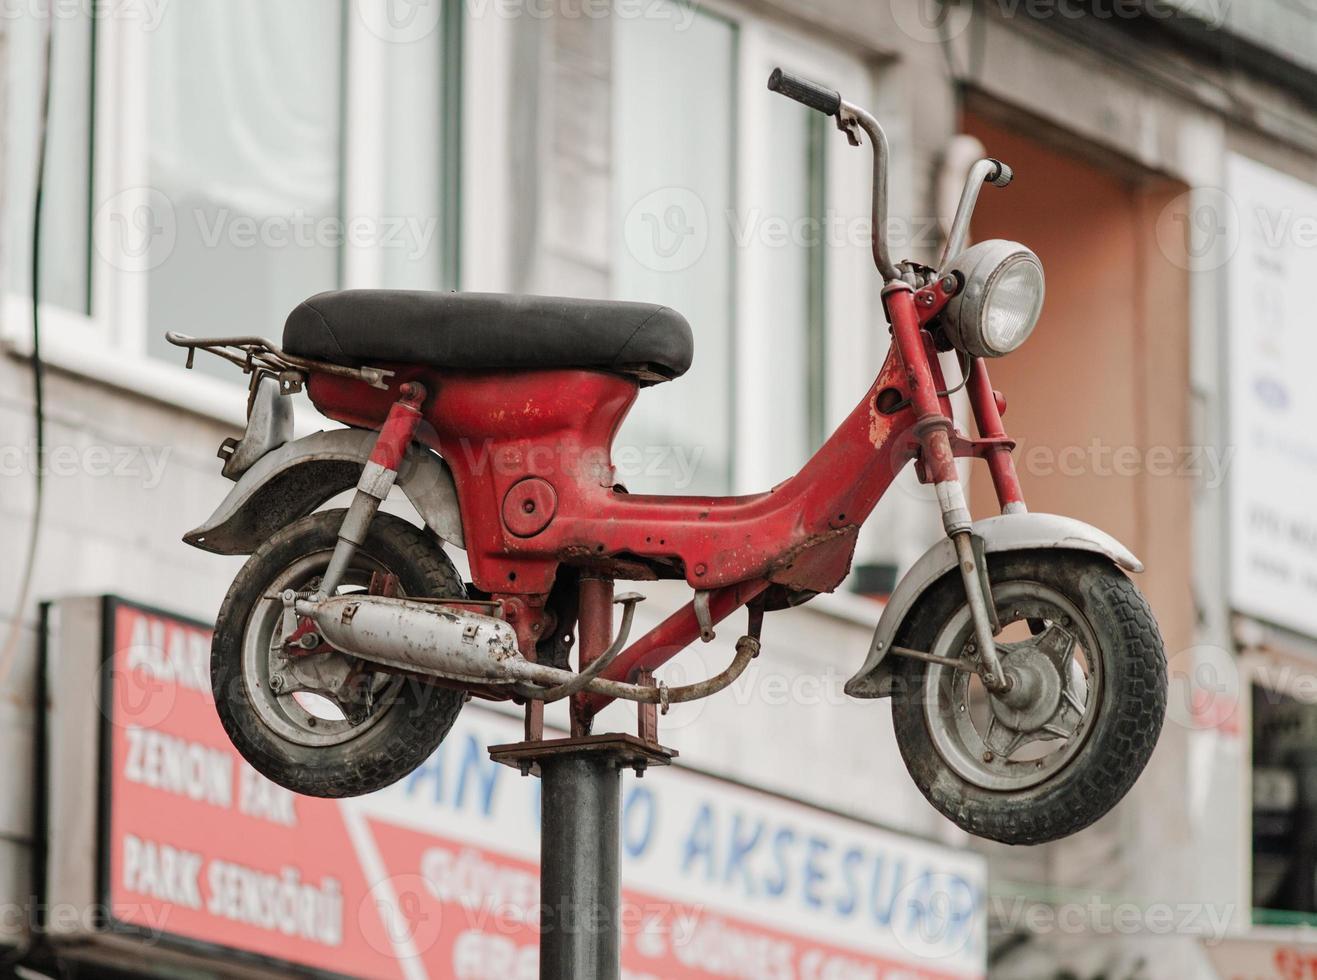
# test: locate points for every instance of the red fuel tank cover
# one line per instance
(529, 506)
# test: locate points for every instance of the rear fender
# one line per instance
(293, 480)
(1007, 532)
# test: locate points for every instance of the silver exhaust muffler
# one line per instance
(471, 648)
(426, 637)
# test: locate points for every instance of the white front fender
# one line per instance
(1006, 532)
(292, 481)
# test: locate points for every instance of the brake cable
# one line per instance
(964, 380)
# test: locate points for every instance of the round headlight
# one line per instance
(999, 301)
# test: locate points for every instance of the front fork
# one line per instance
(933, 429)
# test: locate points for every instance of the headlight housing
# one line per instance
(999, 300)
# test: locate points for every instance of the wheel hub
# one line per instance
(1035, 691)
(285, 662)
(1047, 694)
(1019, 737)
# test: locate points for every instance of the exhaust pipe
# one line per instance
(469, 648)
(421, 636)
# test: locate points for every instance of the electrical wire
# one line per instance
(38, 367)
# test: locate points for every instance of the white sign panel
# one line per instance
(1272, 357)
(718, 880)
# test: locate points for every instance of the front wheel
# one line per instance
(325, 723)
(1068, 740)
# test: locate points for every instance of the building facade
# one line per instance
(210, 164)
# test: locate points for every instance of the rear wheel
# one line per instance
(325, 723)
(1065, 744)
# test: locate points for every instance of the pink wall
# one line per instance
(1099, 396)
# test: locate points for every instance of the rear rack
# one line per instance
(256, 355)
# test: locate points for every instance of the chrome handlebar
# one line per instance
(985, 171)
(849, 116)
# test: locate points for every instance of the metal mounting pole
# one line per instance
(580, 892)
(580, 833)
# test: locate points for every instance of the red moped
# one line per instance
(1027, 673)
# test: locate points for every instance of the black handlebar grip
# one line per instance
(1002, 176)
(825, 100)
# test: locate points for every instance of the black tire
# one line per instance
(1116, 745)
(404, 729)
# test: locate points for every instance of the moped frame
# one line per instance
(529, 456)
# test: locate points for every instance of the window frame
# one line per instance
(852, 342)
(848, 339)
(708, 344)
(1280, 662)
(109, 343)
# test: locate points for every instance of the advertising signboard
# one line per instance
(437, 876)
(1272, 400)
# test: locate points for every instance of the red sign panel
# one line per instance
(437, 876)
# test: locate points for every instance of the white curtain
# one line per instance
(673, 153)
(245, 103)
(245, 124)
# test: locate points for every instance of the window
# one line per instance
(673, 158)
(244, 137)
(1284, 858)
(420, 127)
(807, 348)
(789, 228)
(731, 207)
(229, 159)
(66, 221)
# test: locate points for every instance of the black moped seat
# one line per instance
(471, 331)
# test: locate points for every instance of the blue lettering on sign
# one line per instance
(850, 899)
(869, 883)
(699, 843)
(431, 770)
(742, 845)
(915, 905)
(940, 909)
(877, 887)
(480, 769)
(637, 820)
(881, 910)
(477, 775)
(814, 874)
(782, 841)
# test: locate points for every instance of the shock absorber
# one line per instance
(377, 479)
(933, 430)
